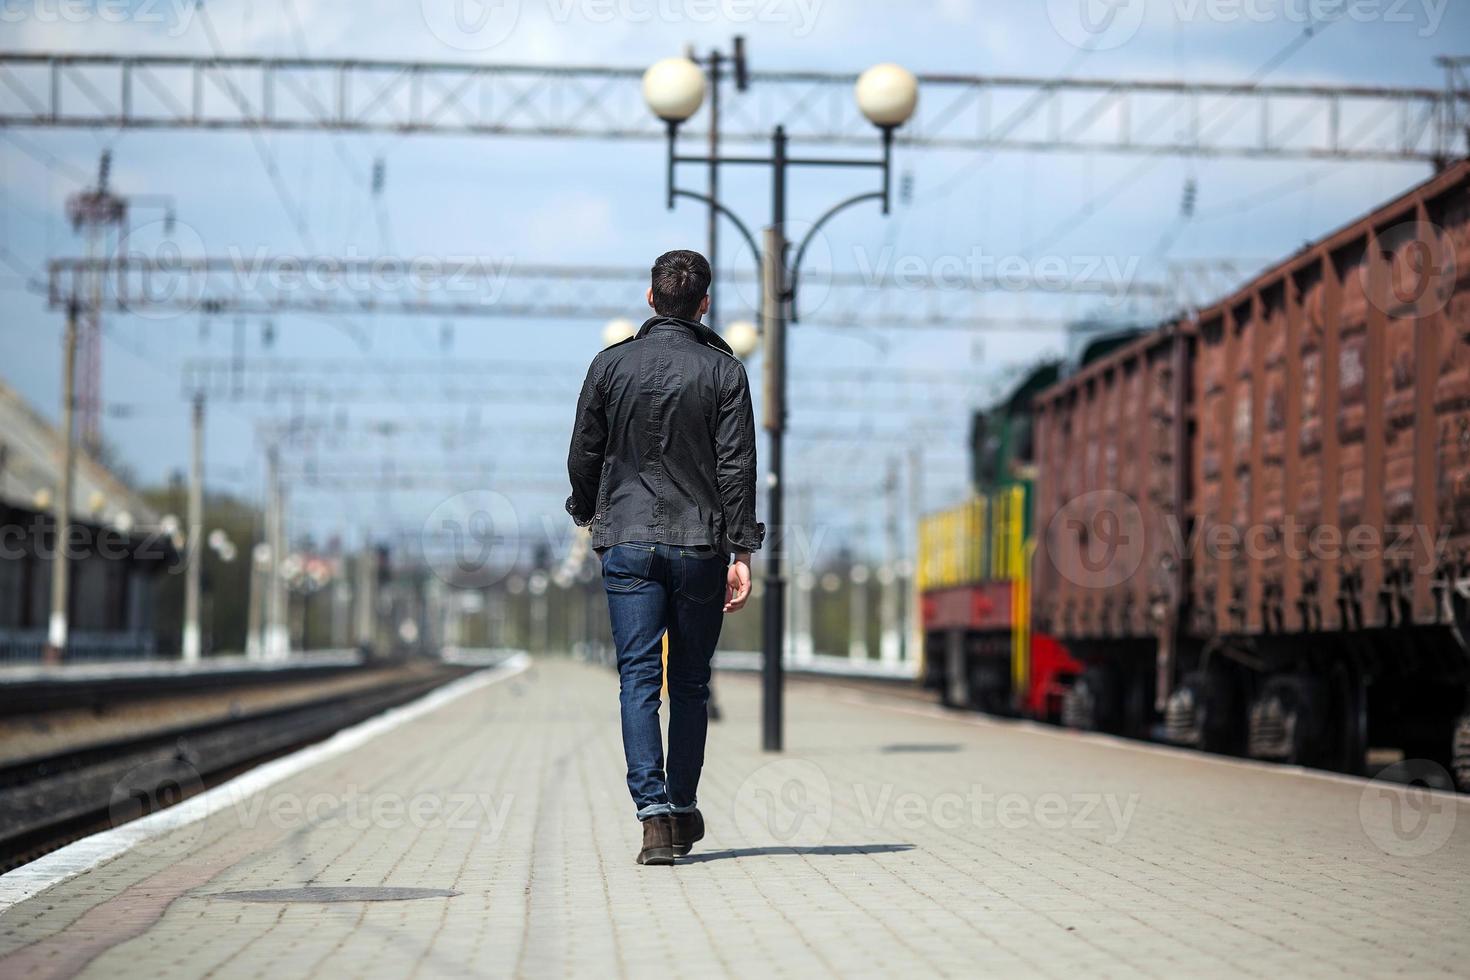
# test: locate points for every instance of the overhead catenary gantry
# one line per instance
(305, 394)
(958, 295)
(958, 112)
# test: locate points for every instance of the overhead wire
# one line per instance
(263, 151)
(1152, 159)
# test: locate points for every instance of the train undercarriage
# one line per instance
(1349, 702)
(1322, 700)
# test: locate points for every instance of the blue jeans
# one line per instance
(653, 588)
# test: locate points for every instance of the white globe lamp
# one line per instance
(887, 95)
(743, 338)
(673, 89)
(618, 331)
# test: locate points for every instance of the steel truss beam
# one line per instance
(454, 482)
(961, 112)
(474, 288)
(421, 475)
(317, 387)
(318, 394)
(291, 370)
(334, 430)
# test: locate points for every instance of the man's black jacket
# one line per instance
(663, 448)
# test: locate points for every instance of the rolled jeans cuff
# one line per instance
(657, 809)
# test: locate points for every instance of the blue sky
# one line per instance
(601, 203)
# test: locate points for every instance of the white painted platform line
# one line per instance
(819, 663)
(80, 856)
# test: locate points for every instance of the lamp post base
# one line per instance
(772, 668)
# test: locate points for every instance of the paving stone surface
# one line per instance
(890, 838)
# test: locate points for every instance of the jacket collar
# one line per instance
(700, 332)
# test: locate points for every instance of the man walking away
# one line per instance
(662, 465)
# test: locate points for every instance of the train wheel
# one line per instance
(1138, 705)
(1462, 754)
(1347, 727)
(1092, 704)
(954, 691)
(1288, 721)
(1201, 712)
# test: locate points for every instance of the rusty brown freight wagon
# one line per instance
(1254, 524)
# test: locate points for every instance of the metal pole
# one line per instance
(914, 634)
(57, 629)
(801, 647)
(713, 231)
(277, 631)
(892, 643)
(306, 597)
(193, 571)
(253, 647)
(774, 314)
(540, 620)
(341, 611)
(857, 613)
(367, 573)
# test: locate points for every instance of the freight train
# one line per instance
(1246, 531)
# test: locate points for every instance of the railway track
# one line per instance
(51, 799)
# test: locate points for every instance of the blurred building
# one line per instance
(118, 547)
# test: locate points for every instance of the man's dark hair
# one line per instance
(680, 282)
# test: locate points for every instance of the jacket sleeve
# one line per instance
(589, 439)
(735, 464)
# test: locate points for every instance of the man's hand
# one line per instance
(737, 583)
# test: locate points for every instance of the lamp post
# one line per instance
(886, 94)
(715, 68)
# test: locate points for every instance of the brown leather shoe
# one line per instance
(658, 840)
(688, 830)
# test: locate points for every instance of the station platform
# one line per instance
(489, 833)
